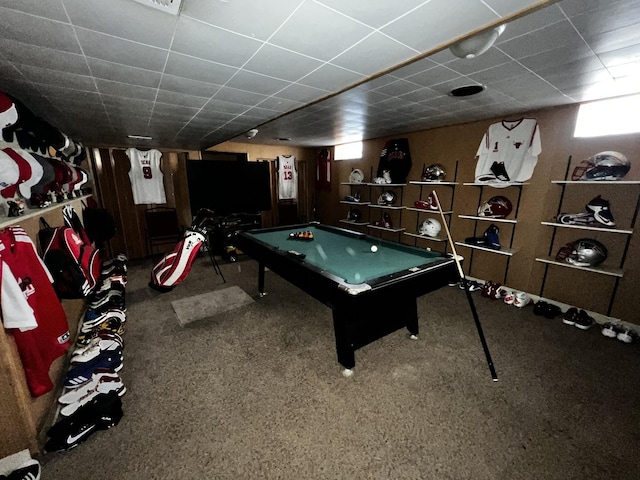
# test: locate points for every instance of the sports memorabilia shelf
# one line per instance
(427, 225)
(597, 219)
(494, 210)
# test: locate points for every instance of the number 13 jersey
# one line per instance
(287, 178)
(146, 176)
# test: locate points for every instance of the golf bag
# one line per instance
(174, 266)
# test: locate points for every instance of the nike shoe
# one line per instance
(492, 240)
(570, 316)
(92, 318)
(112, 299)
(601, 211)
(99, 344)
(486, 289)
(521, 300)
(102, 413)
(82, 373)
(106, 386)
(30, 470)
(611, 330)
(510, 297)
(583, 320)
(627, 335)
(497, 168)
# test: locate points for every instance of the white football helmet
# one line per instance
(356, 176)
(430, 227)
(387, 198)
(607, 165)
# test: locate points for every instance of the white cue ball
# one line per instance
(374, 248)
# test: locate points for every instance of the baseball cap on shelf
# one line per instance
(8, 111)
(20, 171)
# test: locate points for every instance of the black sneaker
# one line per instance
(540, 308)
(500, 172)
(570, 316)
(552, 311)
(583, 321)
(29, 471)
(102, 413)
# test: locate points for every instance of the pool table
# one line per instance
(371, 291)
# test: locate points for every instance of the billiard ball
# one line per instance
(374, 249)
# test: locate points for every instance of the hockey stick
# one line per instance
(463, 279)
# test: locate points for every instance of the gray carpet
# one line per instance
(209, 304)
(256, 393)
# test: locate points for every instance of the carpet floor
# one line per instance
(256, 393)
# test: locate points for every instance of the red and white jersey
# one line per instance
(515, 143)
(38, 346)
(287, 178)
(146, 176)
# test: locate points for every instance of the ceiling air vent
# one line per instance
(169, 6)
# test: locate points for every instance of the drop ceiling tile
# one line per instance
(43, 57)
(118, 50)
(331, 77)
(433, 76)
(279, 63)
(123, 73)
(531, 22)
(240, 97)
(508, 7)
(253, 18)
(176, 98)
(125, 90)
(197, 69)
(200, 40)
(399, 87)
(420, 95)
(127, 19)
(560, 34)
(411, 30)
(571, 80)
(220, 106)
(253, 82)
(613, 40)
(173, 83)
(301, 93)
(504, 71)
(389, 53)
(491, 58)
(51, 9)
(52, 77)
(311, 22)
(178, 110)
(280, 104)
(129, 104)
(363, 11)
(38, 31)
(557, 57)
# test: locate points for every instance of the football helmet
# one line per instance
(430, 227)
(387, 198)
(496, 207)
(584, 252)
(354, 215)
(433, 173)
(356, 176)
(607, 165)
(431, 203)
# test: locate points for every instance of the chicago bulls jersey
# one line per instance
(49, 339)
(512, 143)
(146, 176)
(287, 178)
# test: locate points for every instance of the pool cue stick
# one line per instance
(463, 279)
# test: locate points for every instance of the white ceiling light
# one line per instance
(478, 44)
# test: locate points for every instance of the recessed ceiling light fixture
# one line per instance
(466, 91)
(140, 137)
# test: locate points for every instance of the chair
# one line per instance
(161, 227)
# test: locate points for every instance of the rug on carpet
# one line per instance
(209, 304)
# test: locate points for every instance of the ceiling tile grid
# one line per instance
(355, 69)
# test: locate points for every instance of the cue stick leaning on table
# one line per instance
(463, 279)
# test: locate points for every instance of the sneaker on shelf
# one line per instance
(583, 321)
(499, 170)
(627, 335)
(522, 300)
(29, 470)
(386, 218)
(492, 240)
(611, 330)
(569, 317)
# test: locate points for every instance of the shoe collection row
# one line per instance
(573, 316)
(30, 470)
(91, 400)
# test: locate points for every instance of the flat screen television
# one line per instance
(229, 186)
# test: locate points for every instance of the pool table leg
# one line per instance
(261, 280)
(412, 319)
(344, 348)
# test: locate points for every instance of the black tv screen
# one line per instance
(229, 186)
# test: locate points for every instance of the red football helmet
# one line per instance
(496, 207)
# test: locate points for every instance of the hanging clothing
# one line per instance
(508, 151)
(287, 178)
(147, 179)
(323, 170)
(35, 315)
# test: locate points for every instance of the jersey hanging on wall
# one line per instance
(287, 178)
(395, 158)
(146, 176)
(36, 316)
(508, 151)
(323, 170)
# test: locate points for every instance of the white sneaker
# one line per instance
(95, 348)
(510, 297)
(521, 300)
(76, 394)
(108, 385)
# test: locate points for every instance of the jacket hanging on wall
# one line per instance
(395, 158)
